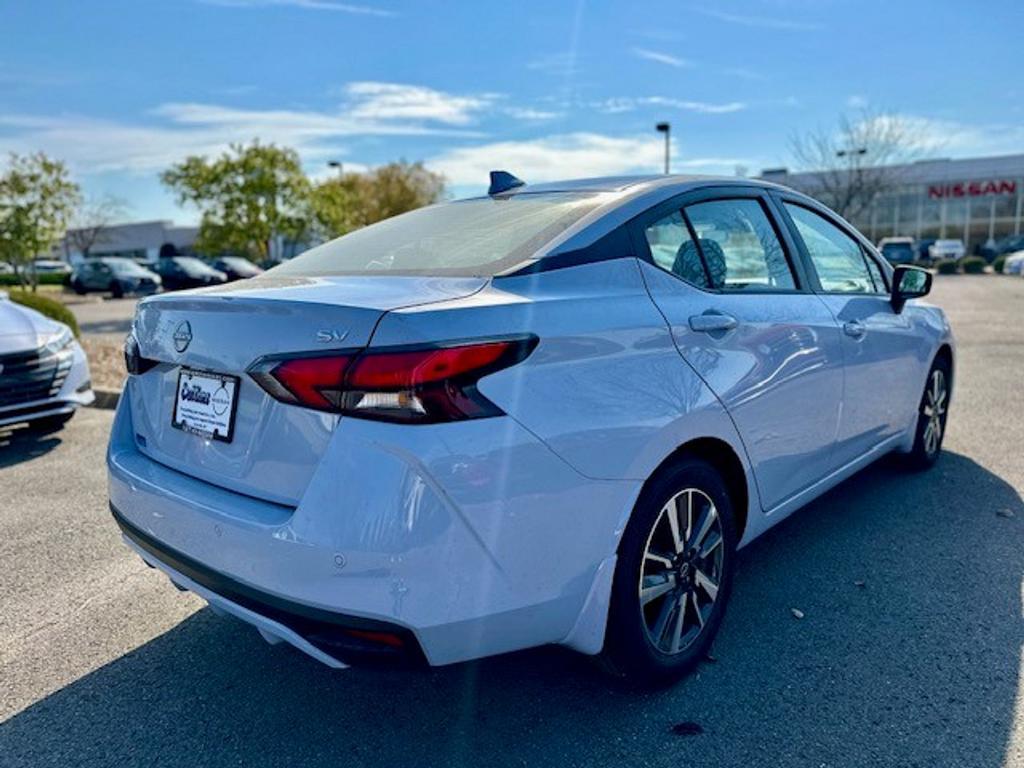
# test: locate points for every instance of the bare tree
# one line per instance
(92, 221)
(852, 165)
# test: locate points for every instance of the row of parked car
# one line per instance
(909, 250)
(121, 276)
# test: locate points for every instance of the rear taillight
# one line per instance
(426, 384)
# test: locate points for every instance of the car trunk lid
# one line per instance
(275, 447)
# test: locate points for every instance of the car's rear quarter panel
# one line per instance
(605, 388)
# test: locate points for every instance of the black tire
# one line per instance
(77, 286)
(926, 450)
(48, 424)
(629, 651)
(116, 290)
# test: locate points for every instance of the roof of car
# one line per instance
(621, 183)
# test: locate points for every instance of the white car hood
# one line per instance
(22, 329)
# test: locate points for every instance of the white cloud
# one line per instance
(529, 113)
(629, 104)
(764, 22)
(397, 101)
(661, 58)
(309, 5)
(933, 136)
(565, 156)
(171, 131)
(94, 145)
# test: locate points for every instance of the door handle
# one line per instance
(714, 321)
(854, 328)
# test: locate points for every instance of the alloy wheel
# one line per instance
(933, 409)
(681, 571)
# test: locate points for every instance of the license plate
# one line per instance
(204, 404)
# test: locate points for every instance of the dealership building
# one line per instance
(138, 240)
(975, 200)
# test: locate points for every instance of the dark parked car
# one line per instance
(923, 245)
(1001, 247)
(237, 268)
(898, 250)
(187, 272)
(114, 274)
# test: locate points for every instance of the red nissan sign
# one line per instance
(973, 188)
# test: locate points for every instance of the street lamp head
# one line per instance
(333, 164)
(663, 127)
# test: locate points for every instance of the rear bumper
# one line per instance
(466, 540)
(334, 638)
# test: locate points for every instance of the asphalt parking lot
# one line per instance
(102, 662)
(105, 317)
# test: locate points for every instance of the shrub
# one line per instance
(998, 264)
(947, 267)
(48, 278)
(974, 265)
(52, 308)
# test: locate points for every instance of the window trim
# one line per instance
(638, 225)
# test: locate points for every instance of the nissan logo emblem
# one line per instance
(182, 336)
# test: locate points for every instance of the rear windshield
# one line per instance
(482, 236)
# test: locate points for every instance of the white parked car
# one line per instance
(44, 375)
(1014, 264)
(546, 415)
(946, 249)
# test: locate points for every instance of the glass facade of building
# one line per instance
(975, 200)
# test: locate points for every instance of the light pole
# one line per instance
(337, 164)
(665, 128)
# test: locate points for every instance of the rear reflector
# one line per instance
(407, 384)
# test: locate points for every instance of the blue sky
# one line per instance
(545, 89)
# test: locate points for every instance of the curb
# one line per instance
(105, 399)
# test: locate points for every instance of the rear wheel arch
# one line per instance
(723, 457)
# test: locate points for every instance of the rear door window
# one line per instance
(739, 246)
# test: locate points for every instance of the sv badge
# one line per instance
(328, 336)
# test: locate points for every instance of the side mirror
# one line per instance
(909, 283)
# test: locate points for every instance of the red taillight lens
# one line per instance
(313, 381)
(411, 385)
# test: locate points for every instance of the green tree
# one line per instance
(247, 196)
(354, 200)
(37, 198)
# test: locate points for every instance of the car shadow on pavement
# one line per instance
(908, 653)
(18, 445)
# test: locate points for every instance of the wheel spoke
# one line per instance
(653, 592)
(655, 557)
(696, 609)
(706, 583)
(658, 630)
(702, 527)
(710, 545)
(677, 631)
(672, 513)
